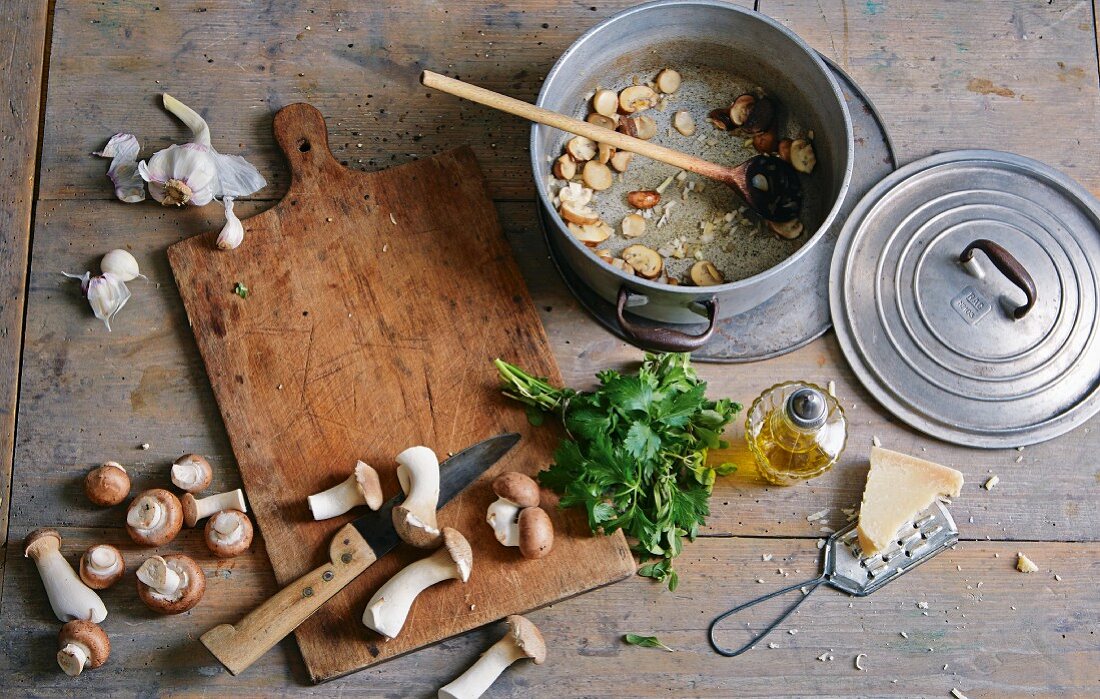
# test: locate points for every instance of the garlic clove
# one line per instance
(121, 265)
(232, 233)
(123, 149)
(107, 295)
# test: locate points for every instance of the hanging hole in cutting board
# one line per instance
(304, 145)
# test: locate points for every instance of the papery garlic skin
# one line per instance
(232, 233)
(123, 149)
(107, 295)
(179, 175)
(121, 265)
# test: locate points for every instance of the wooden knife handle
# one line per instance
(238, 646)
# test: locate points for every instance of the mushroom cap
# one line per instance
(192, 473)
(91, 636)
(459, 550)
(517, 487)
(367, 480)
(190, 509)
(536, 532)
(40, 541)
(413, 530)
(192, 591)
(107, 485)
(168, 528)
(220, 548)
(528, 637)
(95, 579)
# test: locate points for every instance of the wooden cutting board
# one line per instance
(376, 304)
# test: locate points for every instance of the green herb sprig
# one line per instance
(636, 456)
(634, 639)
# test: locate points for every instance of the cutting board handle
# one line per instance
(301, 132)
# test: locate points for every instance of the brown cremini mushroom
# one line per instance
(362, 487)
(107, 485)
(228, 533)
(196, 509)
(69, 597)
(389, 607)
(192, 473)
(514, 491)
(171, 584)
(154, 517)
(523, 640)
(101, 566)
(536, 533)
(82, 644)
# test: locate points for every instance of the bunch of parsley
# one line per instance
(636, 454)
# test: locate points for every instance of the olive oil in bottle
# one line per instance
(796, 431)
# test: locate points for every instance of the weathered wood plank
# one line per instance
(91, 395)
(998, 631)
(23, 34)
(357, 62)
(1015, 76)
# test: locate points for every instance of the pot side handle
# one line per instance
(665, 339)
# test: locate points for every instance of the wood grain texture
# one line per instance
(1014, 76)
(1001, 633)
(23, 36)
(376, 305)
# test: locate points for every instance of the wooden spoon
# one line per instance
(767, 183)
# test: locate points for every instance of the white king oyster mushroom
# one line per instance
(195, 173)
(123, 149)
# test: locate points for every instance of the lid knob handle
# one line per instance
(806, 408)
(1009, 266)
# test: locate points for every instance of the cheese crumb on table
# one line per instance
(858, 658)
(957, 694)
(1025, 564)
(991, 482)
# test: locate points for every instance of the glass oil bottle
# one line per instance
(795, 431)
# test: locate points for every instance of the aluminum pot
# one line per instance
(715, 35)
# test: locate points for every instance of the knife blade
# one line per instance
(353, 549)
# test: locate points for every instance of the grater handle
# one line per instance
(812, 584)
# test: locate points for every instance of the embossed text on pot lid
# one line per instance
(965, 292)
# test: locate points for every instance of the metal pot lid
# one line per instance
(937, 340)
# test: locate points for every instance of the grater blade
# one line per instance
(929, 533)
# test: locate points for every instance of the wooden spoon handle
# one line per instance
(239, 645)
(576, 126)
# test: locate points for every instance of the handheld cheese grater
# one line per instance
(846, 569)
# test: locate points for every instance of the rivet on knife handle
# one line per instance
(238, 646)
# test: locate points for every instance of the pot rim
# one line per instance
(778, 270)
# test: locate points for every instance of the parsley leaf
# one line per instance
(636, 455)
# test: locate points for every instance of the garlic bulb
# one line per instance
(181, 175)
(232, 233)
(195, 173)
(121, 265)
(122, 149)
(106, 294)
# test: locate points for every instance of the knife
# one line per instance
(353, 548)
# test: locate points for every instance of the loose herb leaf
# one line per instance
(645, 641)
(636, 458)
(240, 290)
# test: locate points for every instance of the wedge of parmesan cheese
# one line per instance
(898, 488)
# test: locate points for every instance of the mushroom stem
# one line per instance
(336, 500)
(503, 517)
(148, 513)
(415, 518)
(156, 573)
(72, 658)
(481, 675)
(69, 597)
(389, 607)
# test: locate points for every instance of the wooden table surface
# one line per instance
(1020, 76)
